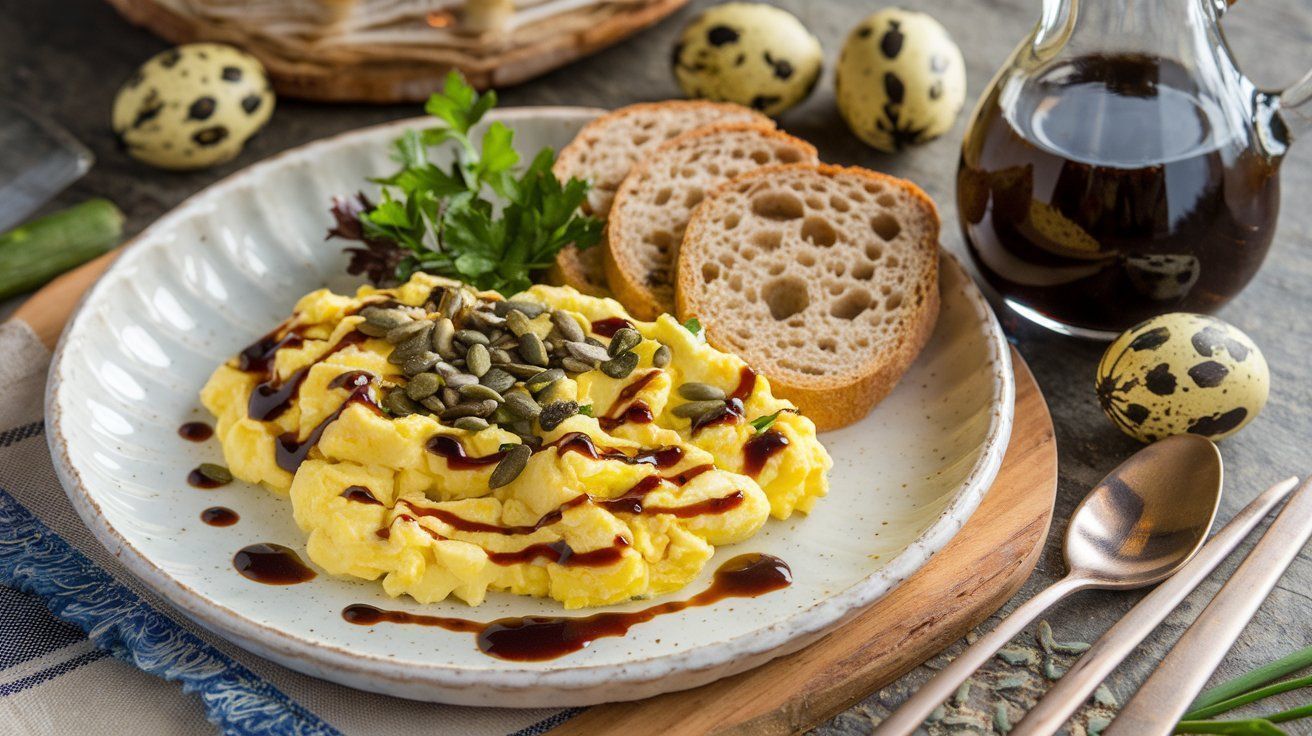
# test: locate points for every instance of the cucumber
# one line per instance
(42, 249)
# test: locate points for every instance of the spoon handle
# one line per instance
(1113, 647)
(906, 719)
(1167, 692)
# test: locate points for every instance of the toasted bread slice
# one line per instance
(605, 150)
(823, 278)
(658, 197)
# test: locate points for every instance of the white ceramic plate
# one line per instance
(228, 264)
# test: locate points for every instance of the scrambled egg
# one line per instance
(377, 502)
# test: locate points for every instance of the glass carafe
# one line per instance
(1120, 166)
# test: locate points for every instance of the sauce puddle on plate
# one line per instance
(539, 638)
(219, 516)
(195, 431)
(271, 564)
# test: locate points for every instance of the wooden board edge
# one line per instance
(799, 691)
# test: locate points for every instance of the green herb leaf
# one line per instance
(441, 222)
(762, 423)
(694, 326)
(585, 410)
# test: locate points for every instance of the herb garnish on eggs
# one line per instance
(439, 222)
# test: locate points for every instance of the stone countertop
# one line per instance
(66, 59)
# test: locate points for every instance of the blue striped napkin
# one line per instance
(85, 648)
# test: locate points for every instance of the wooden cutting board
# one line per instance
(979, 570)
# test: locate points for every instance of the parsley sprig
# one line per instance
(442, 221)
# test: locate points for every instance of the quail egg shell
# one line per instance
(192, 106)
(900, 79)
(1182, 373)
(749, 53)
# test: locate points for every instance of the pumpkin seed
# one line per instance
(460, 380)
(418, 341)
(450, 396)
(399, 356)
(511, 465)
(471, 337)
(594, 341)
(485, 320)
(386, 319)
(624, 340)
(471, 424)
(445, 369)
(450, 302)
(444, 333)
(568, 326)
(575, 366)
(555, 413)
(215, 472)
(371, 330)
(498, 380)
(694, 391)
(544, 379)
(528, 309)
(420, 363)
(469, 409)
(522, 405)
(480, 392)
(518, 322)
(477, 360)
(499, 356)
(423, 385)
(433, 404)
(661, 357)
(521, 370)
(621, 365)
(404, 332)
(524, 428)
(399, 404)
(532, 349)
(694, 409)
(587, 353)
(501, 416)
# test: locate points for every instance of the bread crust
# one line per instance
(831, 400)
(627, 279)
(576, 270)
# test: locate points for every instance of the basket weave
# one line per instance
(399, 50)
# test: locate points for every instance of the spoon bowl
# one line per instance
(1147, 517)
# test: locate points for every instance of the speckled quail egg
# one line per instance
(900, 79)
(1182, 373)
(749, 53)
(192, 106)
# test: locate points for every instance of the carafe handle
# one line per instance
(1294, 105)
(1283, 115)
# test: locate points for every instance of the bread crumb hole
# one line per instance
(693, 198)
(688, 172)
(789, 155)
(806, 259)
(736, 282)
(663, 196)
(768, 240)
(839, 203)
(815, 202)
(785, 296)
(726, 258)
(886, 199)
(851, 305)
(710, 272)
(863, 271)
(819, 232)
(732, 172)
(828, 345)
(873, 188)
(640, 139)
(777, 206)
(662, 239)
(797, 322)
(886, 226)
(731, 221)
(760, 157)
(838, 268)
(893, 262)
(751, 294)
(713, 169)
(893, 301)
(862, 343)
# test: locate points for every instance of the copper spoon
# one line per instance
(1138, 526)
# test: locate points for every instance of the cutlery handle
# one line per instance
(1070, 692)
(907, 718)
(1166, 694)
(48, 310)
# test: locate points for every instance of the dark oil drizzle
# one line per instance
(539, 638)
(458, 458)
(271, 564)
(271, 398)
(197, 479)
(360, 494)
(219, 516)
(258, 356)
(637, 413)
(562, 554)
(446, 446)
(609, 326)
(195, 431)
(760, 448)
(290, 451)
